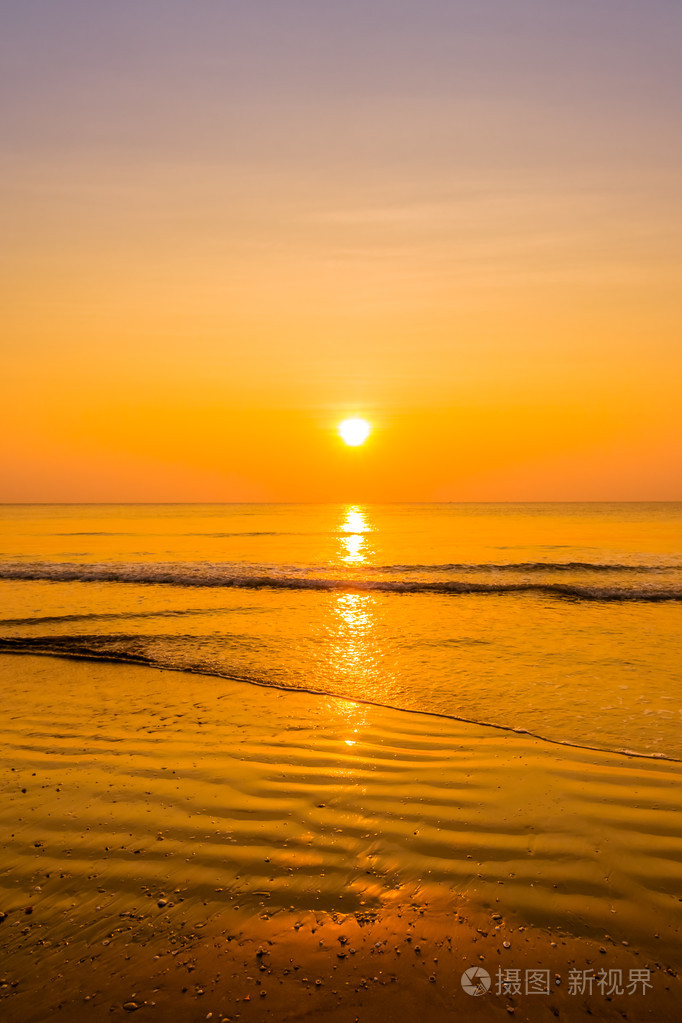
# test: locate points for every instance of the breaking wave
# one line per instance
(206, 574)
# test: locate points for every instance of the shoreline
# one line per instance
(103, 658)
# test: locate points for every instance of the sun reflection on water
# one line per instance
(354, 548)
(354, 629)
(356, 659)
(355, 521)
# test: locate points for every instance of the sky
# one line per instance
(229, 225)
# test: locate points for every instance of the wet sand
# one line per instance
(404, 963)
(177, 846)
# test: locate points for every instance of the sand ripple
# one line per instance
(123, 783)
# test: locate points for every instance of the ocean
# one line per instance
(558, 620)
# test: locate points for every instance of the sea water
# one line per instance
(561, 620)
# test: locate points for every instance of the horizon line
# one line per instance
(24, 504)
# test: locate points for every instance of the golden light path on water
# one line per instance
(353, 627)
(354, 547)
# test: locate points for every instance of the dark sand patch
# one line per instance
(403, 964)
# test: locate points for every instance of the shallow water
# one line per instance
(560, 620)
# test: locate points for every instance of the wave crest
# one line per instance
(234, 576)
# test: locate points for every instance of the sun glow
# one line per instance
(354, 431)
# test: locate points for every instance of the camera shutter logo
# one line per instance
(476, 981)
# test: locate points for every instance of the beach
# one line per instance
(178, 846)
(341, 512)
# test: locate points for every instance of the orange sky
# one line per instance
(228, 227)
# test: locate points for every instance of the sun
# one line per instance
(354, 431)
